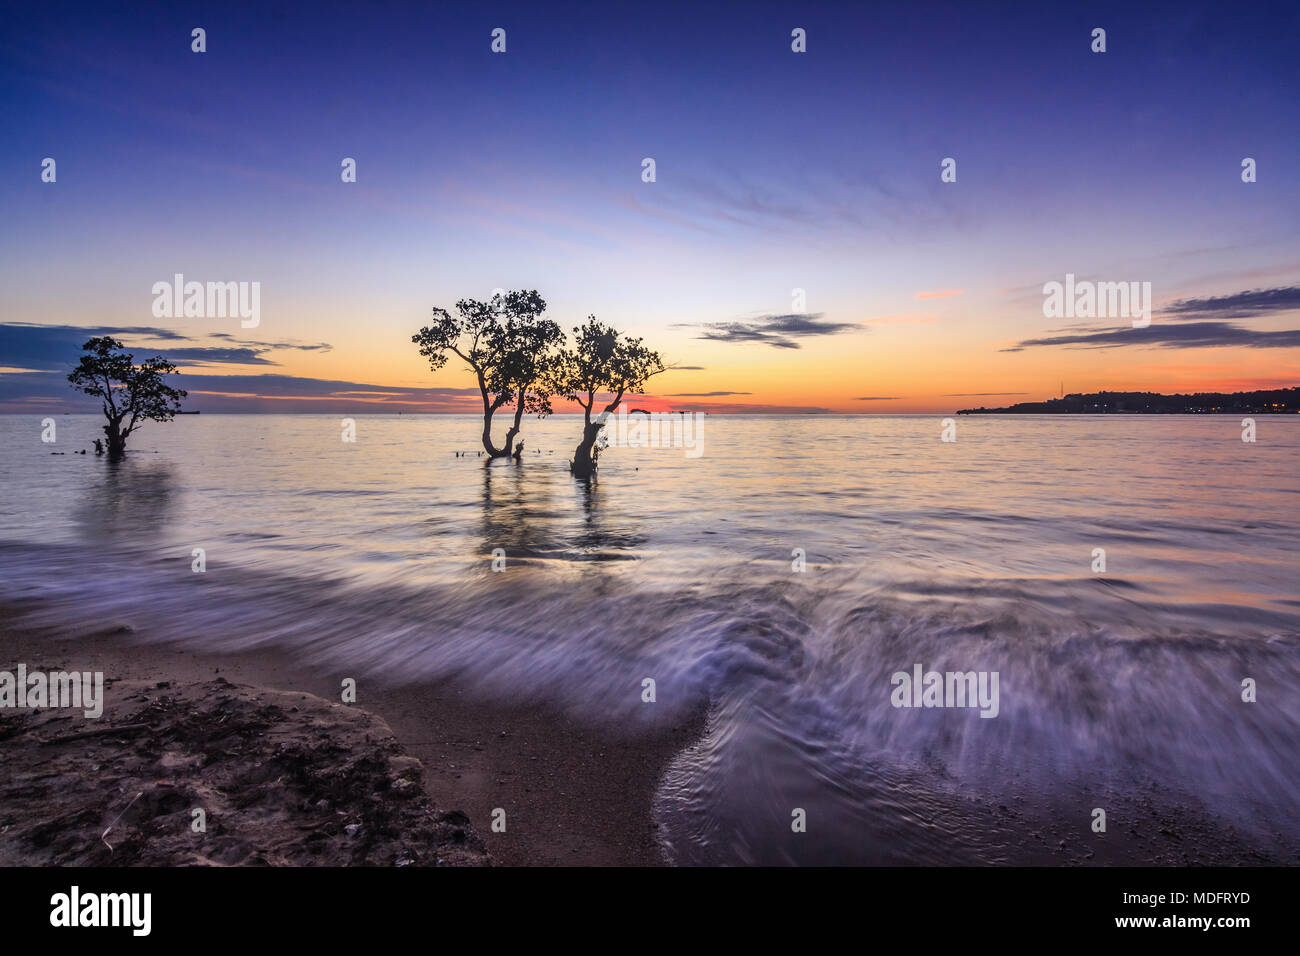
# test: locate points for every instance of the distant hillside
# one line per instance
(1266, 402)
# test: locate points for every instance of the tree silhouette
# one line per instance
(601, 361)
(530, 343)
(506, 344)
(129, 394)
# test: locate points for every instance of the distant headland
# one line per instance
(1275, 401)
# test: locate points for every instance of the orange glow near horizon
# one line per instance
(886, 371)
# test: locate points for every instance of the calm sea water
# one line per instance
(1119, 689)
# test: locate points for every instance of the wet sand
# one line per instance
(573, 793)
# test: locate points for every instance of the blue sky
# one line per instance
(775, 171)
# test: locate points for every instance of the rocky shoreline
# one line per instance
(216, 773)
(287, 774)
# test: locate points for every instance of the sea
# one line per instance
(1133, 581)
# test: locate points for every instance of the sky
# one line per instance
(775, 171)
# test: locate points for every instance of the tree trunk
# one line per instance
(489, 410)
(583, 465)
(116, 443)
(514, 428)
(492, 450)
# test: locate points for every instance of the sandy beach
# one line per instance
(573, 794)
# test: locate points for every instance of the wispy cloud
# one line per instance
(248, 393)
(943, 294)
(1188, 335)
(48, 348)
(820, 205)
(51, 347)
(1239, 305)
(878, 398)
(218, 356)
(732, 408)
(294, 386)
(703, 394)
(299, 346)
(778, 331)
